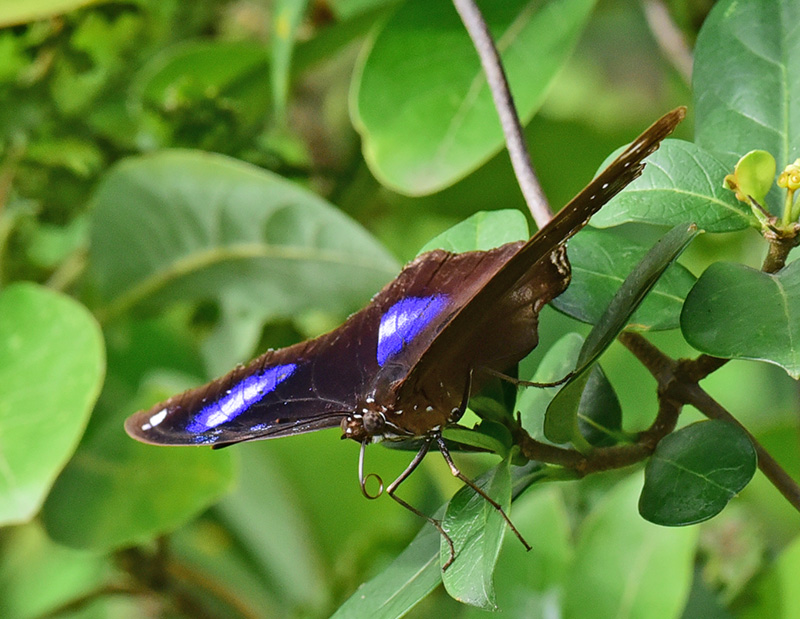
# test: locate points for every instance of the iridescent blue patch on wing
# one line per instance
(239, 398)
(404, 320)
(205, 440)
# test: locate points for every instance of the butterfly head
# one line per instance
(369, 423)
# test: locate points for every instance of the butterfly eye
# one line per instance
(373, 422)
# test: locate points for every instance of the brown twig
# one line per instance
(669, 37)
(681, 387)
(605, 458)
(159, 574)
(81, 602)
(779, 248)
(506, 110)
(677, 386)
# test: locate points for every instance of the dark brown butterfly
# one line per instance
(404, 366)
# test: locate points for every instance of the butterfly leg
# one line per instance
(518, 382)
(455, 470)
(401, 478)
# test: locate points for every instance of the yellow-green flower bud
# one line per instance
(790, 177)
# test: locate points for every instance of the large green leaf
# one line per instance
(184, 225)
(421, 102)
(627, 567)
(528, 582)
(476, 529)
(681, 182)
(417, 571)
(695, 471)
(737, 312)
(14, 12)
(601, 260)
(196, 225)
(745, 86)
(52, 363)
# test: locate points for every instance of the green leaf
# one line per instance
(561, 418)
(754, 175)
(562, 412)
(117, 492)
(695, 471)
(401, 586)
(633, 291)
(52, 363)
(737, 312)
(427, 118)
(588, 413)
(599, 412)
(528, 582)
(681, 182)
(625, 566)
(12, 12)
(484, 230)
(197, 227)
(481, 437)
(416, 572)
(286, 18)
(477, 530)
(746, 91)
(601, 260)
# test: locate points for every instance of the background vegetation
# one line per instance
(168, 172)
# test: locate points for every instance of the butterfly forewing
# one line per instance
(283, 392)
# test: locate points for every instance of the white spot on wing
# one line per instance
(155, 419)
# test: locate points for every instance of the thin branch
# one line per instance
(83, 601)
(778, 252)
(678, 386)
(669, 38)
(696, 370)
(504, 102)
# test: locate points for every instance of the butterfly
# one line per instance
(404, 366)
